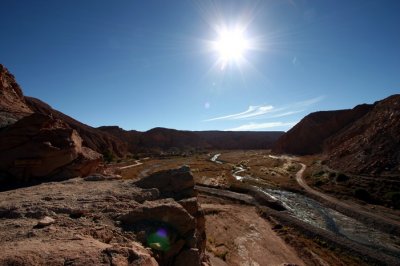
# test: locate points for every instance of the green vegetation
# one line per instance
(318, 174)
(108, 156)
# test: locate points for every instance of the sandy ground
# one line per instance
(237, 235)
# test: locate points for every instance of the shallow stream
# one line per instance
(314, 213)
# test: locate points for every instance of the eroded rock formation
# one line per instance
(38, 148)
(12, 102)
(362, 140)
(370, 145)
(106, 222)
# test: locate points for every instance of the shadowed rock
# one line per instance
(167, 211)
(174, 183)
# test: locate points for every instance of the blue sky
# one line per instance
(143, 64)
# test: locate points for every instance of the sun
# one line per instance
(231, 46)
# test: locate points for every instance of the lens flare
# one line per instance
(159, 240)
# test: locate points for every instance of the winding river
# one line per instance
(314, 213)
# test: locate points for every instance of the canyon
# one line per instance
(324, 193)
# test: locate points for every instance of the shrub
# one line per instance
(362, 194)
(320, 173)
(394, 198)
(108, 156)
(319, 182)
(341, 177)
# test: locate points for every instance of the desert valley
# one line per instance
(324, 193)
(200, 133)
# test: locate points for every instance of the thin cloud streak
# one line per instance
(287, 113)
(258, 112)
(257, 126)
(252, 111)
(309, 101)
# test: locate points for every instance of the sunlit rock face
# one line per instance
(40, 148)
(93, 138)
(100, 221)
(12, 102)
(14, 106)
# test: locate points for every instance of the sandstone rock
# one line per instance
(371, 145)
(188, 257)
(175, 183)
(100, 177)
(190, 205)
(97, 223)
(183, 217)
(39, 146)
(93, 240)
(363, 140)
(46, 221)
(167, 211)
(93, 138)
(309, 135)
(12, 102)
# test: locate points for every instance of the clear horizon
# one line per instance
(185, 65)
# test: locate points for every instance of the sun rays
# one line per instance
(231, 45)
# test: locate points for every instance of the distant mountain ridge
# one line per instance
(362, 140)
(112, 139)
(162, 139)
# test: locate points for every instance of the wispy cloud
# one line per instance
(309, 101)
(286, 113)
(269, 111)
(252, 111)
(258, 126)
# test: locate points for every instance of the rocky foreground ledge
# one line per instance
(100, 220)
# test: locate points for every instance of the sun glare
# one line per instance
(231, 46)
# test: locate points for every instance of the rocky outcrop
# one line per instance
(12, 102)
(175, 183)
(363, 140)
(183, 221)
(93, 138)
(39, 147)
(14, 106)
(105, 222)
(309, 135)
(370, 145)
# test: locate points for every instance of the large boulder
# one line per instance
(173, 183)
(164, 211)
(181, 222)
(40, 147)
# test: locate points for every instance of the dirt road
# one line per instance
(353, 209)
(137, 163)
